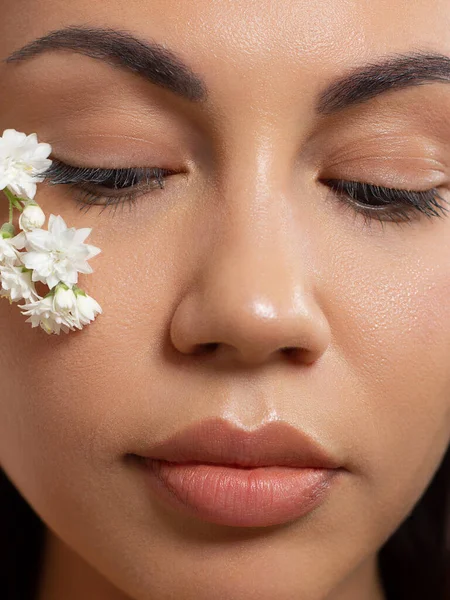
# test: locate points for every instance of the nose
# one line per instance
(253, 298)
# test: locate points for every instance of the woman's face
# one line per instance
(247, 250)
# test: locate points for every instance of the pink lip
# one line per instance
(228, 476)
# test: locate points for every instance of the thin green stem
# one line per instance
(11, 206)
(13, 202)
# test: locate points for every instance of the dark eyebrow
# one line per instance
(163, 67)
(120, 48)
(395, 72)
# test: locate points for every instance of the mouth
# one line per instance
(218, 473)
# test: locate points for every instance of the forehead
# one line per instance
(248, 38)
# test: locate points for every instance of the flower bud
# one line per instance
(7, 230)
(32, 217)
(64, 299)
(87, 308)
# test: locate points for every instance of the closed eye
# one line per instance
(105, 186)
(388, 204)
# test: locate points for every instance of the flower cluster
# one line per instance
(54, 256)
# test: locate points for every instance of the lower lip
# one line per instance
(239, 497)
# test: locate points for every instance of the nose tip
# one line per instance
(231, 326)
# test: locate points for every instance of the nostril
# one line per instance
(210, 347)
(289, 350)
(205, 348)
(298, 355)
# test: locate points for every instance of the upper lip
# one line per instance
(218, 441)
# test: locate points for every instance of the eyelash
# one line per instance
(80, 178)
(393, 204)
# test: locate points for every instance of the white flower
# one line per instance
(58, 254)
(22, 159)
(53, 257)
(64, 300)
(41, 313)
(17, 285)
(64, 303)
(32, 217)
(86, 308)
(8, 250)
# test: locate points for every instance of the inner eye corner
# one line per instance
(329, 181)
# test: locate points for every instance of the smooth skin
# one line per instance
(245, 249)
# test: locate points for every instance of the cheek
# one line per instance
(58, 392)
(393, 336)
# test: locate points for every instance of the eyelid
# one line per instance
(391, 174)
(395, 202)
(163, 145)
(439, 166)
(63, 173)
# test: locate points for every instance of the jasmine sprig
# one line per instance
(54, 256)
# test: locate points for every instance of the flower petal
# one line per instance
(39, 239)
(93, 250)
(19, 240)
(81, 234)
(40, 262)
(12, 136)
(56, 225)
(42, 151)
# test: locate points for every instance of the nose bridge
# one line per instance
(264, 242)
(254, 293)
(259, 233)
(254, 175)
